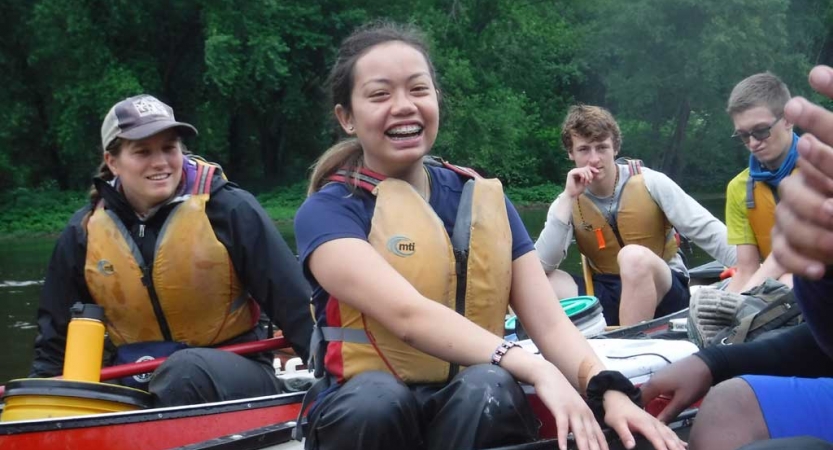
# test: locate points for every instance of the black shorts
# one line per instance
(608, 289)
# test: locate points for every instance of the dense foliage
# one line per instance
(45, 210)
(250, 75)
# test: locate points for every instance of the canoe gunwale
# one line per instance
(147, 415)
(257, 438)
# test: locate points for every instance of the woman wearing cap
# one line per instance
(180, 259)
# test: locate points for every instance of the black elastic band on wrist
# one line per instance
(607, 380)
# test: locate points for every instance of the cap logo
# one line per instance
(149, 106)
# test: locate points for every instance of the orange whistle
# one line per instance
(600, 238)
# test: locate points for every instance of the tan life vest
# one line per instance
(190, 293)
(639, 221)
(760, 206)
(470, 273)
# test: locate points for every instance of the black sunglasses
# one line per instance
(758, 133)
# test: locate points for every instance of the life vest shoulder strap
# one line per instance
(363, 178)
(367, 179)
(463, 171)
(634, 165)
(750, 193)
(205, 175)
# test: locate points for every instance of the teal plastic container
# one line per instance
(584, 311)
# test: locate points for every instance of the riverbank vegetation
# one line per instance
(251, 77)
(45, 211)
(35, 212)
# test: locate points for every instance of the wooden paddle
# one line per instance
(588, 276)
(126, 370)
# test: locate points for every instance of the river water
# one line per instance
(23, 264)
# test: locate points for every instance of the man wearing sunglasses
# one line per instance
(756, 107)
(790, 392)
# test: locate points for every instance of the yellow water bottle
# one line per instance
(85, 343)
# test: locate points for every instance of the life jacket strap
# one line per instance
(436, 161)
(324, 381)
(339, 334)
(368, 180)
(321, 385)
(365, 178)
(635, 166)
(750, 193)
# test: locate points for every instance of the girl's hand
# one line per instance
(624, 416)
(570, 411)
(578, 179)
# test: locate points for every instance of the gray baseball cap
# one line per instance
(140, 117)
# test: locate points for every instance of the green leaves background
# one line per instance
(250, 75)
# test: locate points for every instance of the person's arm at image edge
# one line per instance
(689, 217)
(554, 240)
(749, 263)
(266, 266)
(768, 269)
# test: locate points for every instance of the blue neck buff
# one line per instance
(760, 173)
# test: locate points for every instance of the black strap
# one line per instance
(314, 391)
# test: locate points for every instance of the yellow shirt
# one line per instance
(738, 229)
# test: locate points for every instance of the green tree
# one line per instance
(507, 70)
(251, 76)
(673, 64)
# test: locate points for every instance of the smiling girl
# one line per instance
(413, 263)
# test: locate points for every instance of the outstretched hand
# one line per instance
(572, 414)
(803, 233)
(578, 179)
(625, 417)
(570, 411)
(685, 381)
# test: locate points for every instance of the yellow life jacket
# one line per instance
(639, 220)
(471, 273)
(190, 293)
(760, 204)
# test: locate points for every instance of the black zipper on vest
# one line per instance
(461, 258)
(614, 227)
(147, 280)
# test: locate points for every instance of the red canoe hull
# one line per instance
(150, 429)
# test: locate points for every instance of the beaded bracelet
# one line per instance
(501, 350)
